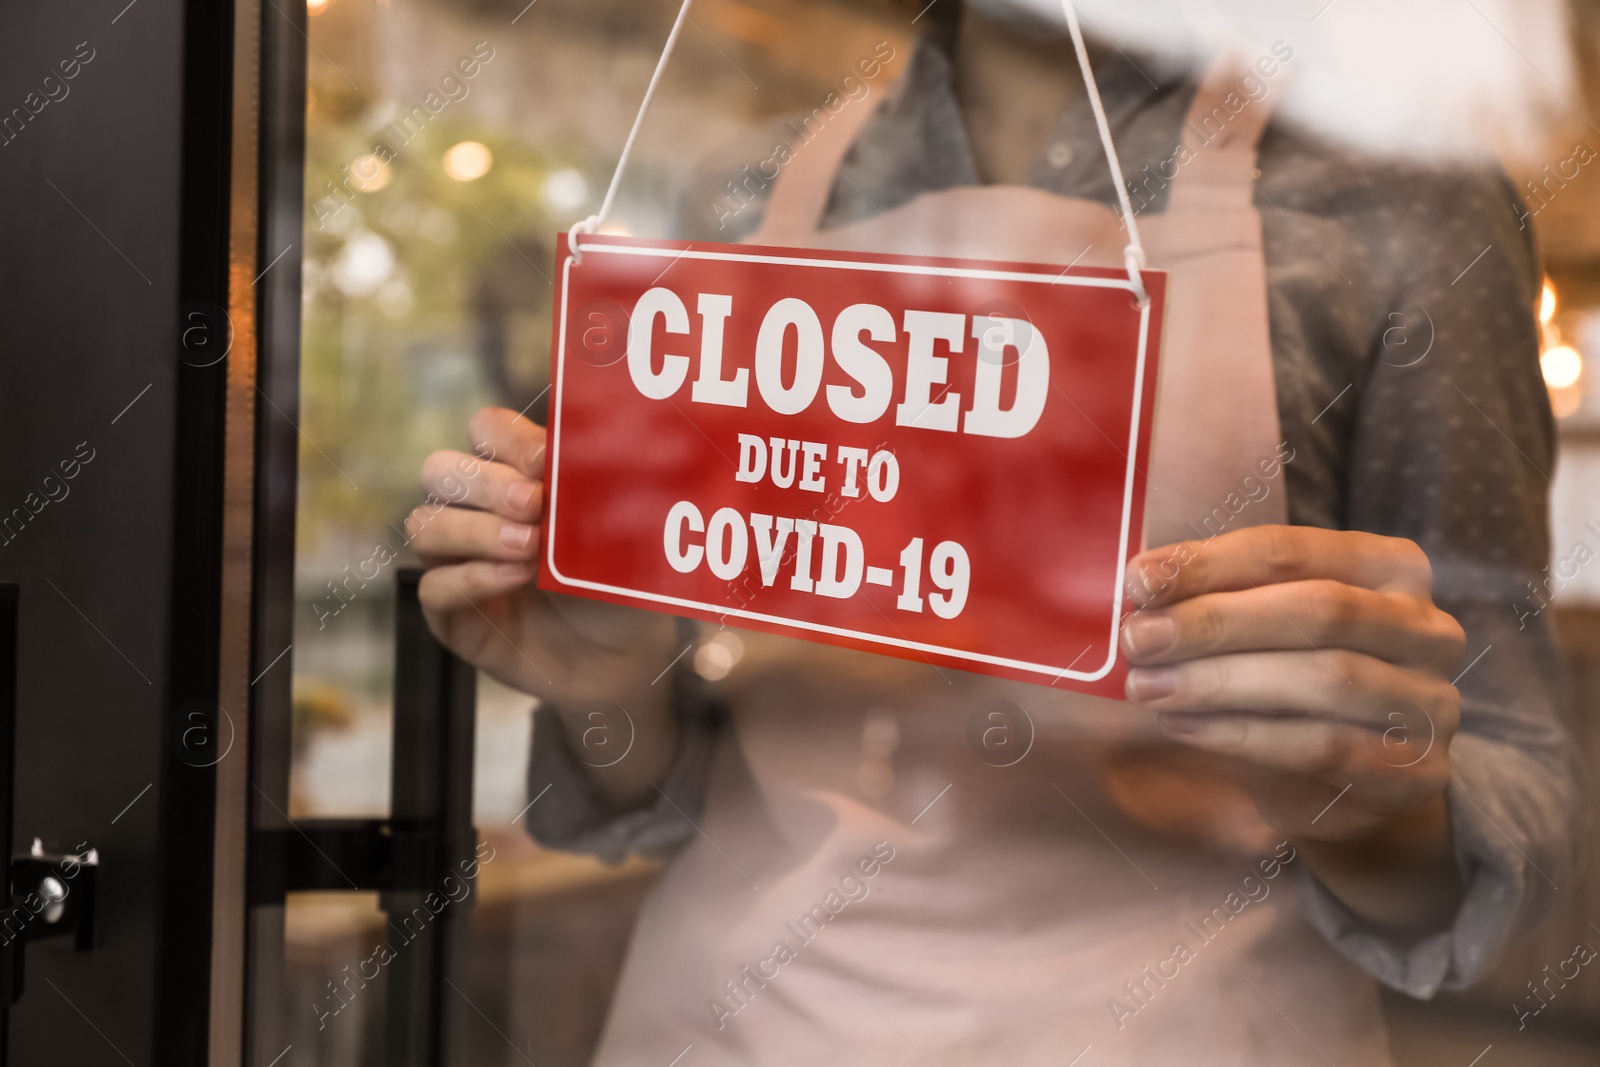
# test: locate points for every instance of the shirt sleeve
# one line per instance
(1454, 449)
(567, 814)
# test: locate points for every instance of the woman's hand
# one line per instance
(1318, 659)
(478, 537)
(1315, 657)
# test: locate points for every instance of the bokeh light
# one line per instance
(1562, 366)
(467, 161)
(716, 658)
(368, 173)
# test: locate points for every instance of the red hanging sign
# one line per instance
(937, 459)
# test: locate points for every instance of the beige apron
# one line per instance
(1026, 896)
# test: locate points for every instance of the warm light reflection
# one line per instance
(1562, 366)
(368, 173)
(467, 161)
(1564, 402)
(1547, 304)
(717, 657)
(316, 7)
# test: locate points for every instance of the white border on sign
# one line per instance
(1057, 672)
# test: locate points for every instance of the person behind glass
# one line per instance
(1312, 788)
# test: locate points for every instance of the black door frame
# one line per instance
(204, 800)
(281, 176)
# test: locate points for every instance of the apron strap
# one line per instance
(1215, 165)
(801, 191)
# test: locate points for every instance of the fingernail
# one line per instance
(520, 495)
(1155, 586)
(515, 534)
(1182, 725)
(1152, 683)
(1148, 635)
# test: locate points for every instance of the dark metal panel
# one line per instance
(89, 299)
(11, 949)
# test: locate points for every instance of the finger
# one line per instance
(1314, 747)
(463, 479)
(1395, 627)
(1265, 555)
(451, 588)
(511, 438)
(438, 534)
(1332, 683)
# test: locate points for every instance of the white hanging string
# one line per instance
(1133, 255)
(593, 223)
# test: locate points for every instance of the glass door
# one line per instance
(420, 159)
(445, 147)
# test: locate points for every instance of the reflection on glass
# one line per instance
(447, 145)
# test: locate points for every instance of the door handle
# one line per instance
(409, 856)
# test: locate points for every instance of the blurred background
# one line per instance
(431, 215)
